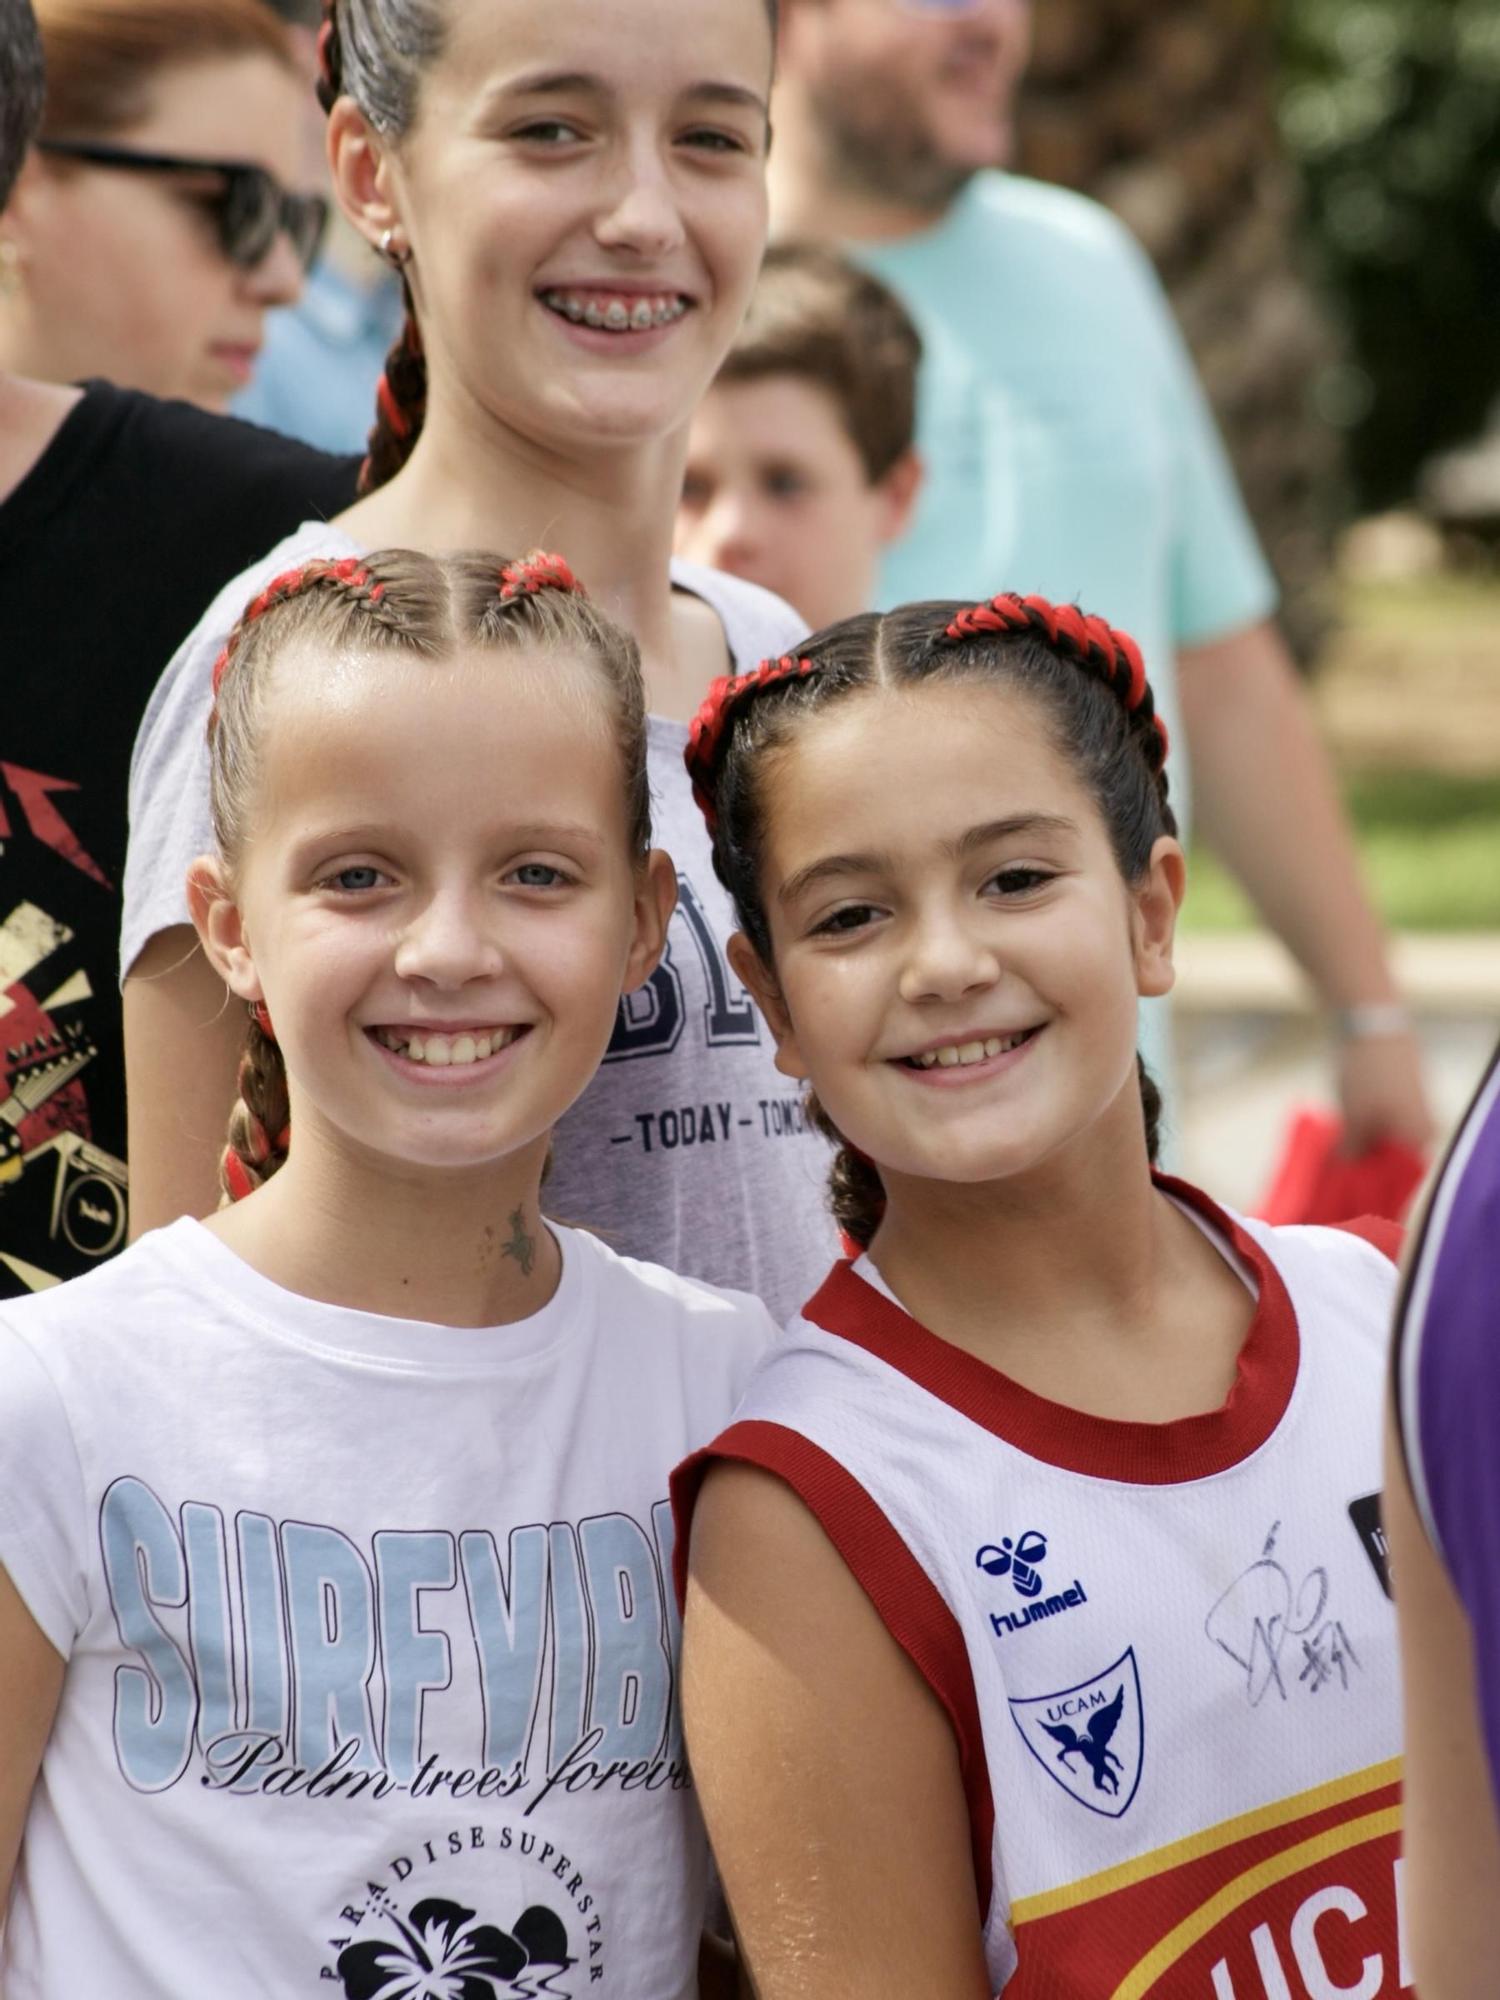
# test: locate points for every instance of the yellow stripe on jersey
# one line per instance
(1176, 1944)
(1027, 1909)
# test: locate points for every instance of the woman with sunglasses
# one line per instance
(575, 197)
(120, 515)
(159, 217)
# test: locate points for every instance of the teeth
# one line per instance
(958, 1054)
(617, 315)
(445, 1051)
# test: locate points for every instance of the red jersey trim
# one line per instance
(1135, 1454)
(1388, 1237)
(909, 1603)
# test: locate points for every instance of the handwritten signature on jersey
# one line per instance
(1267, 1625)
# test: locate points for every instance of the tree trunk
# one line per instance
(1162, 109)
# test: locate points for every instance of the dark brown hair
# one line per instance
(1088, 682)
(20, 88)
(396, 602)
(377, 51)
(103, 56)
(817, 316)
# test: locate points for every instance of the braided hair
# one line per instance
(377, 51)
(1089, 682)
(396, 602)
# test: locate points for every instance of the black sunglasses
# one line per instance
(249, 206)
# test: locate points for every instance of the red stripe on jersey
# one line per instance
(1135, 1454)
(1388, 1237)
(905, 1596)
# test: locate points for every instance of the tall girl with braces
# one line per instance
(575, 198)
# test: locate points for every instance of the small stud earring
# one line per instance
(397, 254)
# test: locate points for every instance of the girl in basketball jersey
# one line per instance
(336, 1640)
(1037, 1628)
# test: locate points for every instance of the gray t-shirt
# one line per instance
(688, 1149)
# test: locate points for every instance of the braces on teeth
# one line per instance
(616, 317)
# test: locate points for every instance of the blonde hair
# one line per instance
(403, 603)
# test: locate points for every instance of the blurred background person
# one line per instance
(324, 355)
(801, 468)
(163, 211)
(1069, 451)
(120, 516)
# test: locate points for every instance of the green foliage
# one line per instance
(1392, 110)
(1428, 842)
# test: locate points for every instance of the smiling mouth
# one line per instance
(616, 312)
(445, 1051)
(961, 1055)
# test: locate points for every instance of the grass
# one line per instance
(1431, 848)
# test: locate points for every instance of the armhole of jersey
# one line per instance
(909, 1603)
(1388, 1237)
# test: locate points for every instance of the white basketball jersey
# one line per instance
(1167, 1650)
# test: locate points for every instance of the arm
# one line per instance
(1450, 1839)
(1268, 803)
(183, 1039)
(31, 1673)
(827, 1771)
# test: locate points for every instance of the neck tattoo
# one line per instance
(520, 1245)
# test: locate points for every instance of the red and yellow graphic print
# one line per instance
(1296, 1901)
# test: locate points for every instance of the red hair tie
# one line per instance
(349, 572)
(1087, 639)
(260, 1013)
(536, 572)
(725, 695)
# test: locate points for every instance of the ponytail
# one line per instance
(400, 406)
(259, 1125)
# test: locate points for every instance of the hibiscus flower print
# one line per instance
(443, 1954)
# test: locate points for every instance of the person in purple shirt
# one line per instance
(1442, 1494)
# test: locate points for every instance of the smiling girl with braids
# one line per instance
(575, 198)
(1035, 1634)
(337, 1645)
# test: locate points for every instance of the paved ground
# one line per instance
(1250, 1050)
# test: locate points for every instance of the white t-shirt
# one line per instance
(371, 1653)
(688, 1148)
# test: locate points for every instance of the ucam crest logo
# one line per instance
(1090, 1738)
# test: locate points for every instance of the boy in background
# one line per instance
(801, 469)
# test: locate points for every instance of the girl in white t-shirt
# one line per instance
(335, 1642)
(1037, 1635)
(574, 196)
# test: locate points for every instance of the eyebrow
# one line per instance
(559, 82)
(834, 866)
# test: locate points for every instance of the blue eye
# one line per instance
(538, 875)
(356, 879)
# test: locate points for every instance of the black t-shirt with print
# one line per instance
(133, 518)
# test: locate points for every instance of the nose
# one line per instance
(947, 959)
(277, 279)
(448, 943)
(641, 214)
(730, 533)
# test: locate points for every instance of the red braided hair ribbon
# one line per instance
(724, 697)
(1090, 641)
(350, 574)
(538, 571)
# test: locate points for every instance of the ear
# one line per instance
(760, 982)
(896, 496)
(363, 178)
(1155, 901)
(221, 928)
(655, 900)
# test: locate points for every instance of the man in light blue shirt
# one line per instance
(1070, 451)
